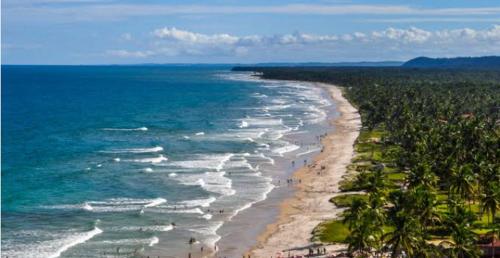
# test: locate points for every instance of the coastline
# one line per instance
(310, 205)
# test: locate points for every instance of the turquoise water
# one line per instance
(99, 161)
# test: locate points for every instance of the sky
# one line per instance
(230, 31)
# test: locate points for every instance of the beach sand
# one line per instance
(309, 206)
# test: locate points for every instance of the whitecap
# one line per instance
(307, 152)
(207, 216)
(170, 210)
(154, 241)
(136, 150)
(198, 202)
(267, 189)
(214, 182)
(152, 228)
(111, 205)
(126, 129)
(269, 159)
(87, 207)
(259, 95)
(155, 202)
(209, 232)
(285, 149)
(263, 122)
(158, 159)
(210, 161)
(75, 240)
(148, 170)
(243, 124)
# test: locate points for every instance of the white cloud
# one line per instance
(391, 41)
(411, 35)
(194, 38)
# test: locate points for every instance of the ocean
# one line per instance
(123, 161)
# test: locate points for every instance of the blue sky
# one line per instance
(229, 31)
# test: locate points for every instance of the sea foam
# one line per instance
(158, 159)
(126, 129)
(136, 150)
(155, 202)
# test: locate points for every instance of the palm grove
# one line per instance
(427, 161)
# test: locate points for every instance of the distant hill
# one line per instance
(484, 62)
(320, 64)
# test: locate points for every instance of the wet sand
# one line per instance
(310, 205)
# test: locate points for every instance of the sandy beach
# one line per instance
(300, 214)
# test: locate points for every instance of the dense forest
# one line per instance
(427, 169)
(484, 62)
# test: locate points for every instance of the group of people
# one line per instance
(291, 181)
(212, 211)
(319, 251)
(192, 241)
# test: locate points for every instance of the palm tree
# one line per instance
(376, 202)
(463, 239)
(490, 200)
(424, 205)
(441, 128)
(463, 182)
(422, 175)
(376, 180)
(406, 236)
(363, 237)
(463, 243)
(355, 213)
(429, 251)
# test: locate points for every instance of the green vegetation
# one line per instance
(428, 159)
(332, 232)
(347, 199)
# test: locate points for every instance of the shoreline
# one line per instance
(309, 205)
(253, 221)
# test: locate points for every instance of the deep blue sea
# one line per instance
(115, 161)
